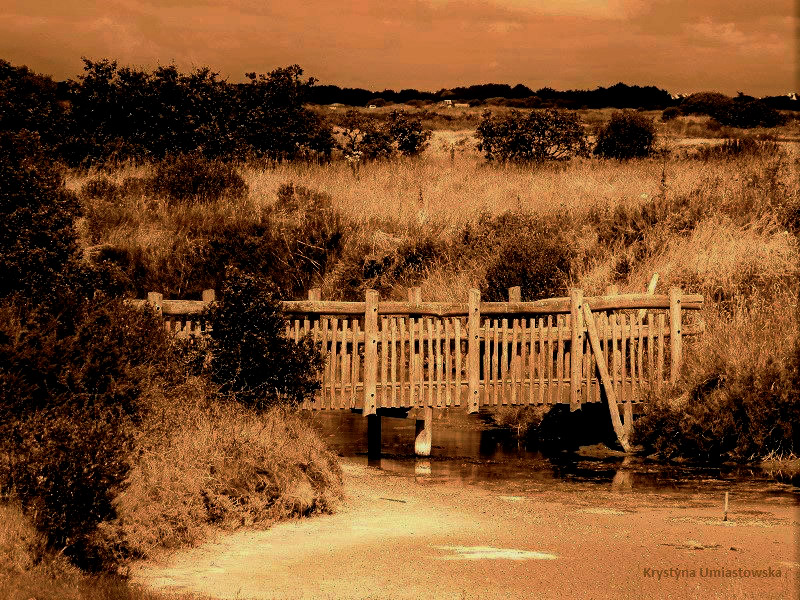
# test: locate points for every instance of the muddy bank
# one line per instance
(413, 536)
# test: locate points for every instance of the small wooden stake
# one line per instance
(725, 512)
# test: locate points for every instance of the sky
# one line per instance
(678, 45)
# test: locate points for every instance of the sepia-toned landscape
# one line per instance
(280, 338)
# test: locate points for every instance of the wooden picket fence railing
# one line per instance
(388, 354)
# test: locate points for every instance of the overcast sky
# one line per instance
(680, 45)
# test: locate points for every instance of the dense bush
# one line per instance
(533, 137)
(521, 250)
(743, 111)
(408, 134)
(194, 177)
(252, 360)
(738, 398)
(122, 113)
(627, 135)
(38, 240)
(30, 101)
(670, 113)
(70, 391)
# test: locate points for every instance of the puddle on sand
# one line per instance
(489, 553)
(493, 459)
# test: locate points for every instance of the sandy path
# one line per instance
(397, 538)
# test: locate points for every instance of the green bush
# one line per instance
(252, 360)
(536, 137)
(627, 135)
(193, 177)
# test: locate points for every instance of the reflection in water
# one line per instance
(493, 458)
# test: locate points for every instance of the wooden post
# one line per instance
(515, 294)
(611, 396)
(371, 353)
(155, 299)
(676, 344)
(315, 294)
(474, 349)
(576, 320)
(424, 433)
(209, 296)
(373, 436)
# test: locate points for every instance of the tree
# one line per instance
(627, 135)
(536, 137)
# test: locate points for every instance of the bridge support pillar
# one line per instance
(424, 433)
(373, 436)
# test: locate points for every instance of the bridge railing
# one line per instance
(414, 354)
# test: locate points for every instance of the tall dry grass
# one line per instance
(203, 465)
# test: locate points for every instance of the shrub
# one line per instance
(738, 397)
(627, 135)
(538, 136)
(745, 146)
(670, 113)
(38, 240)
(523, 251)
(252, 360)
(70, 392)
(364, 138)
(193, 177)
(101, 188)
(407, 132)
(747, 115)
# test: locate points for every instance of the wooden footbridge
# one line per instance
(389, 358)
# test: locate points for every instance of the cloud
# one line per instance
(423, 43)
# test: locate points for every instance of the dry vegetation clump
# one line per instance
(203, 465)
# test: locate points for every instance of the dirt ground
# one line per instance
(407, 537)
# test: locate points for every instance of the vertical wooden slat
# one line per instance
(632, 346)
(393, 367)
(404, 373)
(344, 393)
(448, 368)
(675, 329)
(541, 369)
(326, 370)
(412, 363)
(335, 361)
(384, 360)
(487, 361)
(532, 357)
(624, 332)
(493, 373)
(660, 362)
(640, 352)
(651, 354)
(576, 346)
(355, 362)
(505, 362)
(371, 353)
(560, 357)
(473, 348)
(457, 334)
(615, 354)
(431, 362)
